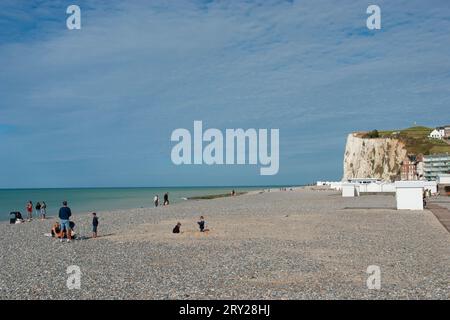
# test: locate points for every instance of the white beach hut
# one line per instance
(348, 190)
(409, 195)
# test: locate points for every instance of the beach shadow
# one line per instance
(369, 208)
(194, 233)
(98, 237)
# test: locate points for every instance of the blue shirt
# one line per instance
(65, 213)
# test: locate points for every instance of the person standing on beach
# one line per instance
(166, 199)
(64, 216)
(94, 225)
(43, 210)
(30, 210)
(156, 200)
(38, 209)
(202, 224)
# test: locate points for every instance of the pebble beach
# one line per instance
(300, 244)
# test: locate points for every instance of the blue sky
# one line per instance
(96, 106)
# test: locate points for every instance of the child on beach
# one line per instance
(177, 228)
(201, 224)
(94, 225)
(156, 200)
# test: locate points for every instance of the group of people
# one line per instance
(41, 210)
(201, 224)
(166, 199)
(64, 229)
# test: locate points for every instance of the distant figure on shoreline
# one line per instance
(233, 193)
(64, 216)
(94, 225)
(176, 229)
(30, 210)
(43, 210)
(156, 200)
(166, 199)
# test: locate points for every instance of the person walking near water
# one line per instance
(30, 210)
(64, 216)
(166, 199)
(156, 200)
(43, 210)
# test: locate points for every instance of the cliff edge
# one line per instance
(373, 157)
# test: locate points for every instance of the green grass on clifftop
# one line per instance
(416, 140)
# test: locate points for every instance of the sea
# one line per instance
(84, 200)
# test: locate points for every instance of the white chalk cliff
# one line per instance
(373, 158)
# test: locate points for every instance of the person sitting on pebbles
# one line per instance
(18, 217)
(56, 230)
(176, 229)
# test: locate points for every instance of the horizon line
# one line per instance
(161, 187)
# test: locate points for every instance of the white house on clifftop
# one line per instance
(440, 133)
(436, 134)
